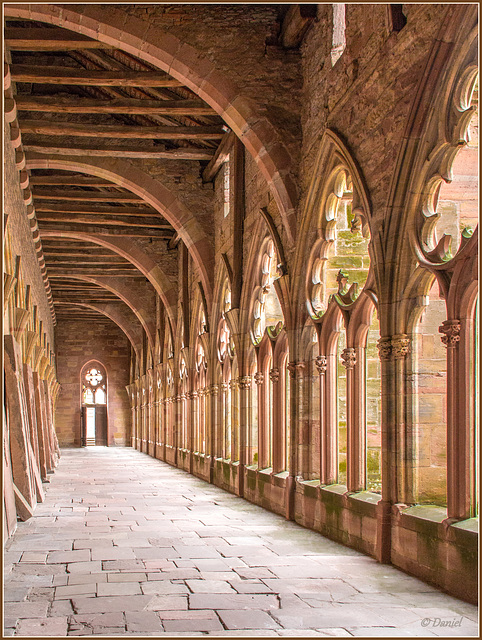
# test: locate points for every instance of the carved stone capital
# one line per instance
(214, 389)
(384, 348)
(259, 377)
(321, 364)
(244, 382)
(451, 332)
(296, 369)
(400, 346)
(274, 375)
(195, 394)
(233, 384)
(348, 358)
(223, 386)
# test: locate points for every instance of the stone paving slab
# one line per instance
(127, 545)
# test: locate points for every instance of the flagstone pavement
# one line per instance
(127, 545)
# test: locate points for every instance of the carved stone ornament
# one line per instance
(274, 375)
(451, 332)
(400, 346)
(348, 358)
(384, 348)
(321, 364)
(214, 389)
(244, 382)
(233, 384)
(223, 386)
(259, 377)
(296, 368)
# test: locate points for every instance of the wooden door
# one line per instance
(101, 425)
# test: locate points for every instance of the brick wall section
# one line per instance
(20, 235)
(77, 343)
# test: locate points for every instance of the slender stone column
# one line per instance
(329, 424)
(262, 419)
(459, 440)
(213, 427)
(244, 383)
(355, 420)
(278, 436)
(321, 366)
(296, 372)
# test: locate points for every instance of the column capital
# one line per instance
(259, 377)
(400, 346)
(296, 369)
(274, 375)
(397, 346)
(451, 332)
(348, 358)
(321, 364)
(244, 382)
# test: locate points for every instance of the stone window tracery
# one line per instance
(267, 309)
(94, 386)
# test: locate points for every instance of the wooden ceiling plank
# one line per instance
(40, 127)
(85, 196)
(62, 104)
(96, 209)
(182, 153)
(92, 220)
(72, 181)
(54, 39)
(86, 77)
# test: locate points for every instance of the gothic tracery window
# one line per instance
(94, 386)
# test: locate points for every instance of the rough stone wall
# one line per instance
(77, 343)
(365, 97)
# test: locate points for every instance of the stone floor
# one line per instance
(127, 545)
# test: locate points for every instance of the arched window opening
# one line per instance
(338, 37)
(456, 202)
(267, 309)
(339, 260)
(373, 409)
(94, 404)
(430, 384)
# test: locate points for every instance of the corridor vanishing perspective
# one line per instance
(241, 240)
(125, 544)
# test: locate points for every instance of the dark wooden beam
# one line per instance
(127, 132)
(71, 181)
(92, 209)
(85, 196)
(89, 78)
(106, 230)
(102, 221)
(219, 157)
(128, 106)
(41, 39)
(105, 151)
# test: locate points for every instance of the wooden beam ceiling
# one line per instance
(48, 39)
(76, 96)
(126, 132)
(89, 78)
(63, 104)
(106, 151)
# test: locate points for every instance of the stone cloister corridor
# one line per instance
(241, 267)
(128, 545)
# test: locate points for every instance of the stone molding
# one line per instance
(348, 358)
